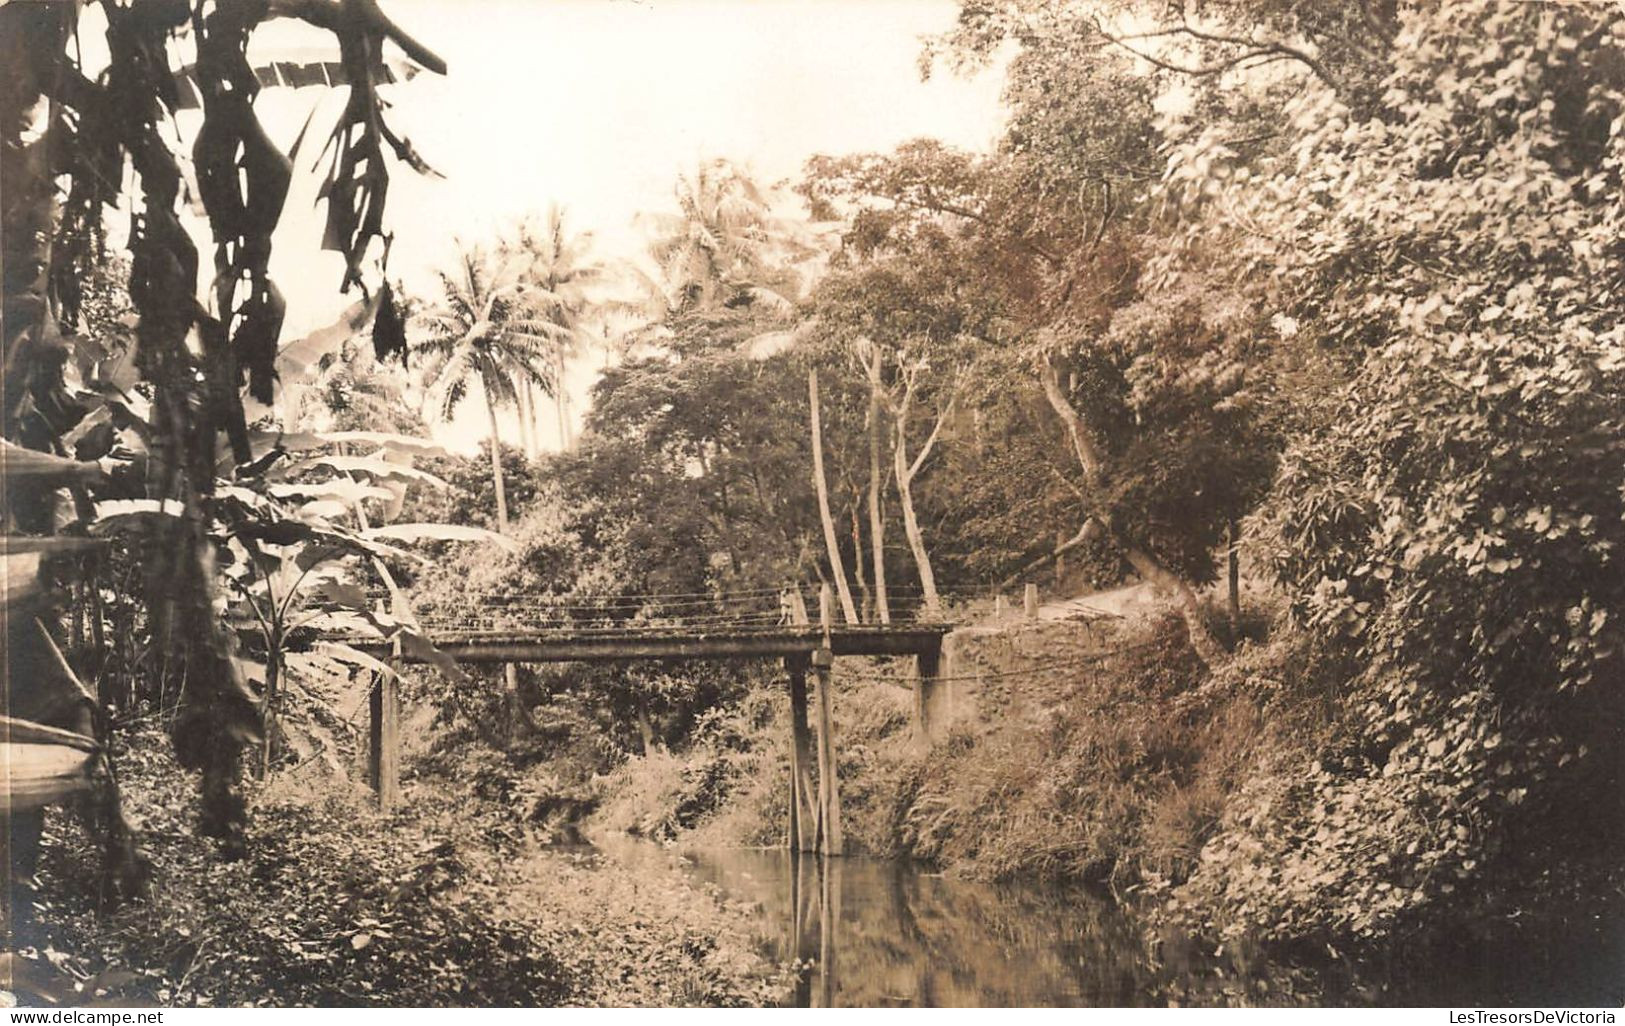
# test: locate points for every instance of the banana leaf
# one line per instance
(41, 764)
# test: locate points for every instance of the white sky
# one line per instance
(598, 104)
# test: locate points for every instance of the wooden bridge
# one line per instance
(718, 632)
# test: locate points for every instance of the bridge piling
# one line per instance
(829, 791)
(927, 668)
(384, 734)
(803, 816)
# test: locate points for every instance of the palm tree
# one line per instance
(486, 330)
(558, 278)
(726, 243)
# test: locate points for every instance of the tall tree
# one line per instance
(873, 428)
(485, 330)
(901, 396)
(832, 546)
(727, 245)
(561, 284)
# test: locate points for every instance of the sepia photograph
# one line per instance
(653, 504)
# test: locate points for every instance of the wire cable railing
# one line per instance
(676, 613)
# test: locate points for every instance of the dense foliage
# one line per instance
(1329, 289)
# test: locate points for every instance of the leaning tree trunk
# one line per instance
(916, 538)
(877, 500)
(831, 544)
(1160, 577)
(1087, 449)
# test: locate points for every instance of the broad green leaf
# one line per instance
(371, 466)
(355, 657)
(298, 356)
(441, 532)
(301, 441)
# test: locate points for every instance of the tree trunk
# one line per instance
(1084, 446)
(837, 567)
(510, 673)
(561, 400)
(916, 539)
(1090, 530)
(1087, 450)
(496, 464)
(867, 605)
(273, 701)
(527, 422)
(1206, 647)
(877, 500)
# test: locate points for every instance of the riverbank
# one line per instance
(1077, 751)
(446, 902)
(1238, 805)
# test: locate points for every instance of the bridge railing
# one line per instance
(740, 610)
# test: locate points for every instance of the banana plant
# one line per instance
(199, 345)
(294, 569)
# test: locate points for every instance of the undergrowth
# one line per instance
(448, 902)
(1121, 770)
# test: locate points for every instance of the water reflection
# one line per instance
(879, 933)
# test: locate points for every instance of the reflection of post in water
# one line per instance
(827, 927)
(815, 897)
(800, 936)
(829, 924)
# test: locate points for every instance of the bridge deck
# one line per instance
(567, 646)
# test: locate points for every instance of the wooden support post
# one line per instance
(1000, 607)
(1029, 601)
(926, 671)
(829, 792)
(384, 740)
(803, 798)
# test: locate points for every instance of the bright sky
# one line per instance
(598, 104)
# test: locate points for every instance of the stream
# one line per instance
(883, 933)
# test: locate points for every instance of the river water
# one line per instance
(882, 933)
(873, 932)
(877, 933)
